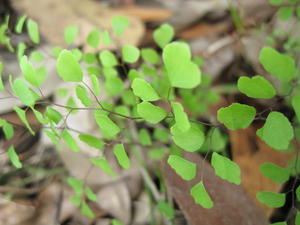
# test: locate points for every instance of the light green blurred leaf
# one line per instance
(22, 115)
(163, 35)
(93, 38)
(104, 165)
(121, 155)
(184, 168)
(83, 95)
(130, 53)
(33, 31)
(119, 24)
(69, 140)
(150, 112)
(70, 34)
(144, 90)
(92, 141)
(13, 157)
(276, 173)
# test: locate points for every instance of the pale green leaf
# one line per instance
(90, 194)
(76, 200)
(130, 53)
(69, 140)
(201, 196)
(33, 31)
(144, 90)
(256, 87)
(76, 185)
(285, 13)
(93, 38)
(150, 55)
(106, 38)
(95, 84)
(184, 168)
(56, 51)
(107, 58)
(182, 72)
(236, 116)
(121, 155)
(39, 116)
(21, 50)
(70, 34)
(114, 86)
(53, 114)
(104, 165)
(277, 131)
(119, 24)
(144, 137)
(22, 115)
(83, 95)
(85, 210)
(20, 24)
(21, 89)
(226, 169)
(92, 141)
(37, 56)
(150, 112)
(181, 118)
(8, 129)
(276, 173)
(106, 125)
(13, 157)
(166, 209)
(67, 67)
(277, 64)
(163, 35)
(271, 199)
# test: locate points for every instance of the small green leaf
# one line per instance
(76, 185)
(256, 87)
(20, 24)
(83, 96)
(93, 39)
(182, 72)
(33, 31)
(150, 112)
(144, 137)
(21, 89)
(22, 115)
(85, 210)
(37, 56)
(104, 165)
(68, 68)
(276, 2)
(90, 194)
(1, 82)
(70, 34)
(150, 55)
(114, 86)
(296, 106)
(166, 209)
(106, 125)
(279, 65)
(163, 35)
(92, 141)
(39, 116)
(95, 84)
(116, 222)
(236, 116)
(76, 200)
(130, 53)
(53, 114)
(13, 157)
(69, 140)
(226, 169)
(201, 196)
(108, 59)
(106, 38)
(89, 58)
(285, 13)
(181, 118)
(276, 173)
(277, 131)
(279, 223)
(271, 199)
(144, 90)
(298, 193)
(190, 140)
(20, 50)
(56, 51)
(121, 155)
(8, 129)
(119, 24)
(184, 168)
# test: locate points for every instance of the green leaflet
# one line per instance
(68, 67)
(21, 89)
(150, 112)
(116, 222)
(163, 35)
(277, 131)
(95, 84)
(85, 210)
(297, 219)
(33, 31)
(296, 106)
(39, 116)
(106, 38)
(182, 72)
(30, 74)
(1, 82)
(144, 90)
(53, 114)
(83, 96)
(271, 199)
(13, 157)
(104, 165)
(150, 55)
(76, 185)
(22, 115)
(69, 140)
(107, 58)
(201, 196)
(190, 140)
(184, 168)
(276, 173)
(132, 74)
(130, 54)
(20, 50)
(144, 137)
(37, 56)
(93, 38)
(119, 24)
(89, 58)
(157, 153)
(226, 169)
(285, 13)
(279, 223)
(106, 125)
(166, 209)
(92, 141)
(276, 2)
(8, 129)
(20, 24)
(70, 34)
(256, 87)
(121, 155)
(182, 120)
(236, 116)
(114, 86)
(279, 65)
(90, 194)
